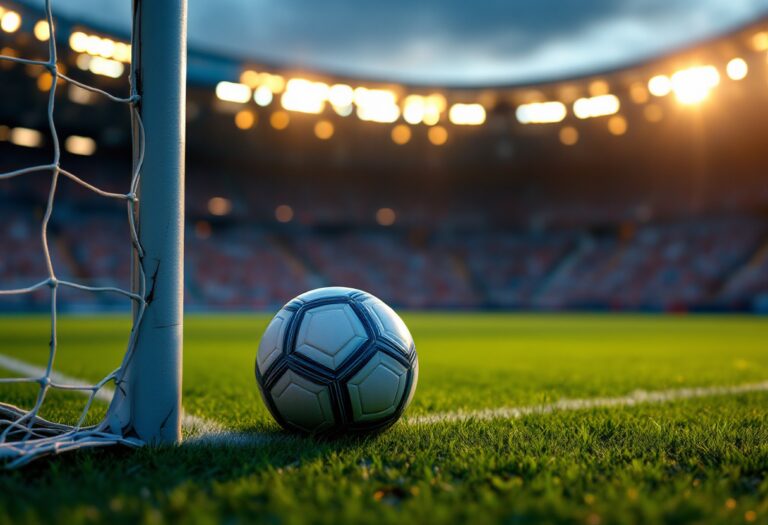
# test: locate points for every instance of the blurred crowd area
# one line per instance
(237, 260)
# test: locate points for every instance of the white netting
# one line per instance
(24, 435)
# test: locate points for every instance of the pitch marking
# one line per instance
(206, 432)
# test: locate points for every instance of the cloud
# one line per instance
(445, 41)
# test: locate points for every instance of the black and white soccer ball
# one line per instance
(336, 360)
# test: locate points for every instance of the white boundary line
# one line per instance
(206, 432)
(194, 425)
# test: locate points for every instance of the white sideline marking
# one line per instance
(207, 432)
(638, 397)
(194, 425)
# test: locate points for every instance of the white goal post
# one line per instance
(146, 405)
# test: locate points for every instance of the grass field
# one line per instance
(701, 460)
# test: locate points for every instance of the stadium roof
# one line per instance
(444, 41)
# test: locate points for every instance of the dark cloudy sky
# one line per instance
(445, 41)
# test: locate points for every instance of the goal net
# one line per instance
(143, 393)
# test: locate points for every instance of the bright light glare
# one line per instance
(263, 96)
(541, 112)
(106, 67)
(122, 52)
(304, 96)
(78, 41)
(275, 83)
(341, 95)
(414, 108)
(10, 22)
(29, 138)
(42, 31)
(78, 145)
(599, 106)
(250, 78)
(737, 69)
(233, 92)
(660, 86)
(376, 105)
(467, 114)
(693, 85)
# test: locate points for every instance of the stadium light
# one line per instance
(401, 134)
(324, 129)
(569, 135)
(467, 114)
(250, 78)
(341, 97)
(426, 109)
(638, 93)
(44, 82)
(437, 135)
(78, 41)
(414, 109)
(737, 69)
(660, 86)
(385, 216)
(10, 22)
(100, 66)
(94, 45)
(80, 95)
(760, 41)
(284, 213)
(245, 119)
(280, 120)
(42, 31)
(541, 113)
(304, 96)
(233, 92)
(599, 87)
(434, 106)
(122, 52)
(599, 106)
(617, 125)
(376, 105)
(29, 138)
(78, 145)
(219, 206)
(693, 85)
(263, 96)
(276, 83)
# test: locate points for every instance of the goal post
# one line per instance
(144, 392)
(152, 378)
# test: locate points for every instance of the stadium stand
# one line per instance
(667, 211)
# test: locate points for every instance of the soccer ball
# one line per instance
(336, 360)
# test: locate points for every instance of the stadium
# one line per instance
(582, 260)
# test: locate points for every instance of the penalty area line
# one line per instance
(202, 431)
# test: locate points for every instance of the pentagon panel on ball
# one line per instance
(336, 360)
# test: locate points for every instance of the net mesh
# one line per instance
(24, 434)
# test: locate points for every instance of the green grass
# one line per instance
(698, 460)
